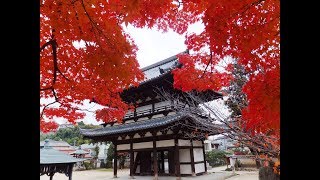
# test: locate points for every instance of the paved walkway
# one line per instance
(217, 173)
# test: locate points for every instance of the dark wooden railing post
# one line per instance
(192, 159)
(115, 163)
(131, 160)
(204, 157)
(155, 158)
(176, 158)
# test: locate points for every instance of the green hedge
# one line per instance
(216, 157)
(88, 165)
(109, 164)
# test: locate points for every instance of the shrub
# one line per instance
(88, 165)
(102, 164)
(109, 164)
(216, 157)
(267, 173)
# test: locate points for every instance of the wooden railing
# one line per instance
(161, 109)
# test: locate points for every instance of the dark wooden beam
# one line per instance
(131, 159)
(155, 159)
(148, 139)
(147, 149)
(115, 163)
(204, 157)
(192, 159)
(152, 107)
(176, 158)
(162, 162)
(70, 171)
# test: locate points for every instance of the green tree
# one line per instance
(70, 135)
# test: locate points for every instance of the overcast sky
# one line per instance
(153, 46)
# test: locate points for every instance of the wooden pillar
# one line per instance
(115, 162)
(192, 159)
(162, 162)
(70, 171)
(131, 159)
(176, 158)
(155, 159)
(204, 157)
(51, 176)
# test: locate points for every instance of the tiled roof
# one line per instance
(131, 127)
(141, 125)
(48, 155)
(54, 143)
(80, 151)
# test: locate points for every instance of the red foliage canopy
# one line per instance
(244, 29)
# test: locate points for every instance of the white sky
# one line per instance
(153, 46)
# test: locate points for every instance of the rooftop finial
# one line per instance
(46, 144)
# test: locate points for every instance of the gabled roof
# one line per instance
(142, 125)
(157, 69)
(131, 127)
(54, 143)
(80, 151)
(48, 155)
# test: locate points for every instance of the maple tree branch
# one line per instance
(94, 24)
(232, 129)
(47, 88)
(42, 112)
(45, 45)
(209, 62)
(55, 95)
(55, 63)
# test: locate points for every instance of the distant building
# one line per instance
(102, 155)
(59, 145)
(63, 126)
(218, 142)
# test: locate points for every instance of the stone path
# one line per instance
(216, 173)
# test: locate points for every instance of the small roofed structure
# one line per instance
(53, 161)
(79, 153)
(59, 145)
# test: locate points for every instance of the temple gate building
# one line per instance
(154, 133)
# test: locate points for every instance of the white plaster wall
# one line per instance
(171, 113)
(199, 168)
(143, 119)
(165, 143)
(170, 131)
(127, 137)
(142, 108)
(182, 142)
(197, 143)
(148, 134)
(159, 133)
(142, 145)
(162, 103)
(119, 138)
(130, 121)
(185, 169)
(123, 146)
(184, 155)
(198, 154)
(157, 115)
(136, 135)
(138, 169)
